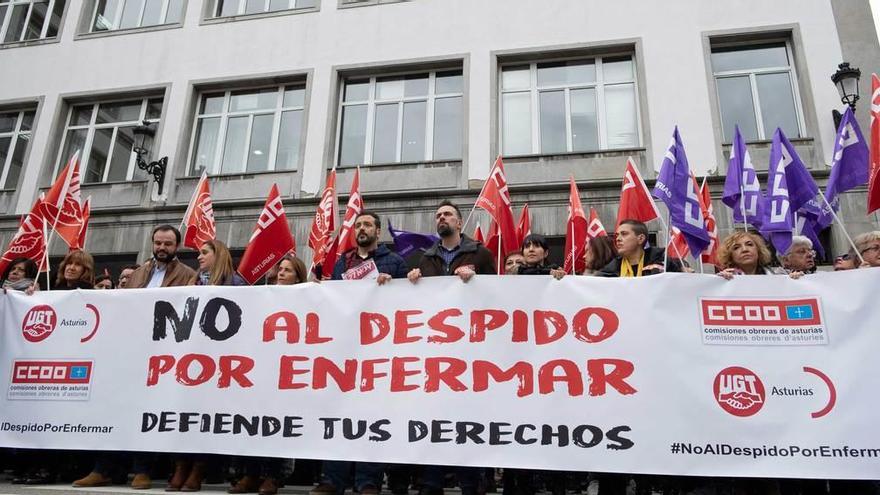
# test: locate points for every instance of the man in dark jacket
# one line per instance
(369, 259)
(459, 255)
(455, 253)
(633, 260)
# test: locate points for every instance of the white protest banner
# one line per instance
(673, 374)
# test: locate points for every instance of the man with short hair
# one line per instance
(125, 275)
(633, 259)
(164, 269)
(369, 260)
(868, 245)
(459, 255)
(455, 253)
(800, 256)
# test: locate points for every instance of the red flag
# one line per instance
(478, 235)
(575, 233)
(678, 246)
(635, 200)
(524, 226)
(321, 234)
(492, 243)
(269, 242)
(345, 240)
(86, 213)
(495, 199)
(199, 217)
(62, 207)
(874, 175)
(710, 255)
(594, 226)
(29, 241)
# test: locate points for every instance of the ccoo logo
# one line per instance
(38, 323)
(739, 391)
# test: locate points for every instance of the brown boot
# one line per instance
(269, 487)
(247, 484)
(193, 482)
(181, 473)
(92, 480)
(141, 481)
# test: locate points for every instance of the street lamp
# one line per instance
(847, 81)
(156, 168)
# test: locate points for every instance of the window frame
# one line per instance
(598, 85)
(215, 7)
(118, 18)
(752, 74)
(430, 99)
(277, 113)
(92, 127)
(14, 135)
(7, 19)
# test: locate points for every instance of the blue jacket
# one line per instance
(386, 262)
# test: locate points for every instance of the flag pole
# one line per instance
(842, 227)
(46, 258)
(572, 248)
(500, 254)
(665, 250)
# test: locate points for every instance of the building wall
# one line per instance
(669, 41)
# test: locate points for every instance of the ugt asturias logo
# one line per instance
(39, 323)
(41, 320)
(739, 391)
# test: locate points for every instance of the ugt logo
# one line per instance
(739, 391)
(39, 323)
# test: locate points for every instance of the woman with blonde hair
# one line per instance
(215, 266)
(746, 253)
(76, 271)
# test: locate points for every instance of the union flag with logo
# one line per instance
(270, 241)
(29, 241)
(199, 217)
(62, 206)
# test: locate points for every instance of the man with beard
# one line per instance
(164, 270)
(459, 255)
(455, 253)
(369, 259)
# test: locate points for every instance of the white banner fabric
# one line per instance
(675, 374)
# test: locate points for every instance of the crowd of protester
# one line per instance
(627, 254)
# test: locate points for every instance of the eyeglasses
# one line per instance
(841, 258)
(875, 247)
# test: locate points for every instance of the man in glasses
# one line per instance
(843, 262)
(800, 256)
(868, 245)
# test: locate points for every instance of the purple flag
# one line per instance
(789, 187)
(675, 188)
(849, 167)
(742, 191)
(407, 242)
(806, 225)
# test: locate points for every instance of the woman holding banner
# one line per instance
(76, 271)
(215, 266)
(745, 253)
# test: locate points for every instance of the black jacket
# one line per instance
(653, 256)
(470, 252)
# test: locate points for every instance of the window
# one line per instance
(111, 15)
(15, 134)
(408, 118)
(25, 20)
(569, 106)
(104, 133)
(251, 130)
(226, 8)
(757, 90)
(369, 2)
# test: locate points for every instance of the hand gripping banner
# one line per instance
(676, 374)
